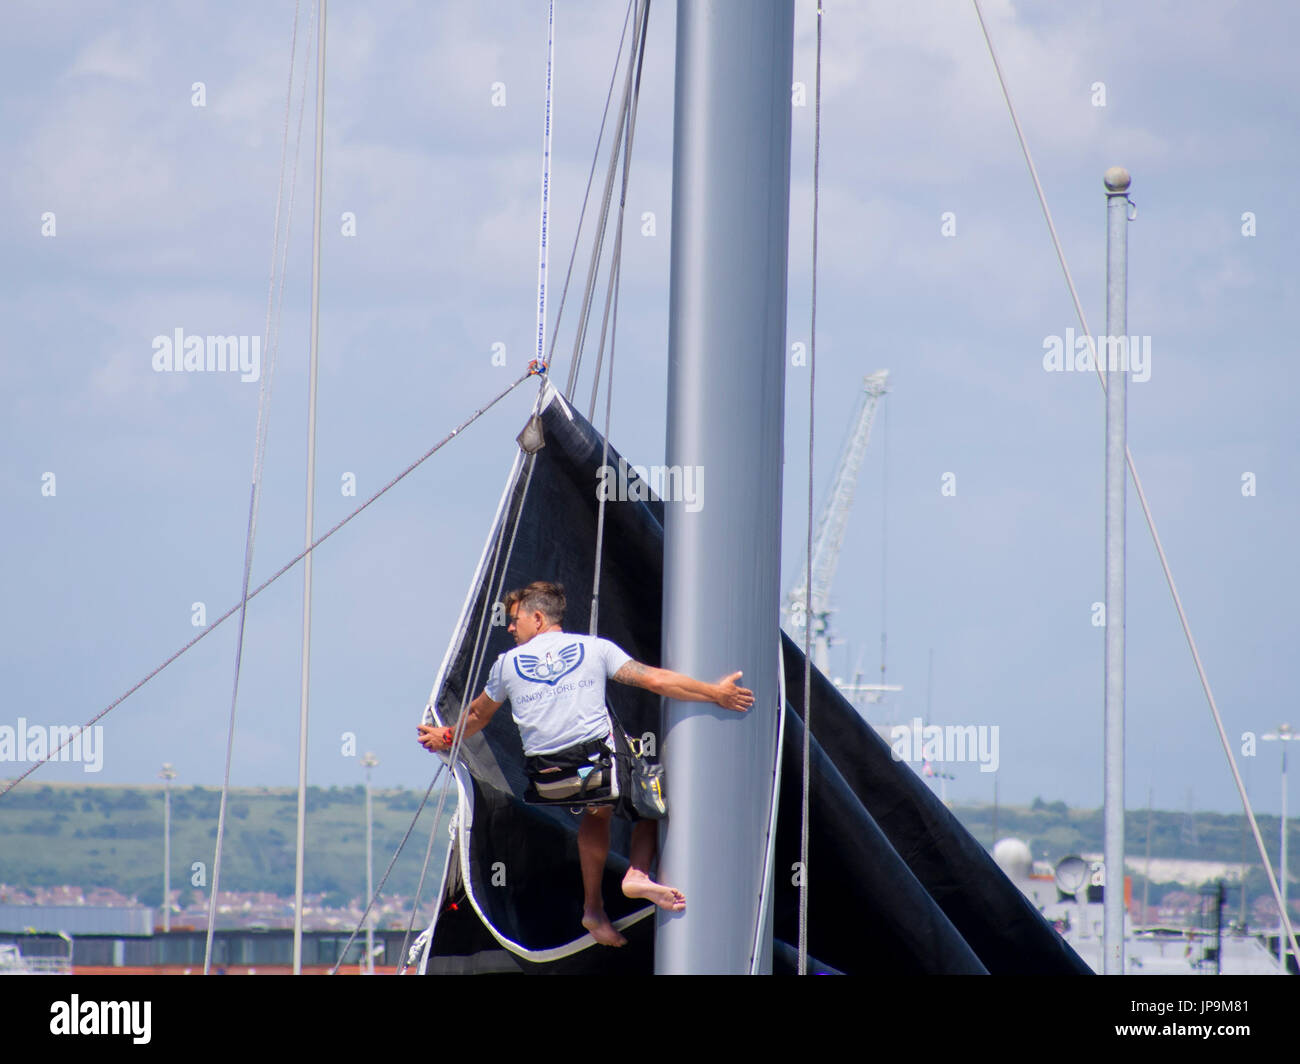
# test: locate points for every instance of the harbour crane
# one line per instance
(803, 602)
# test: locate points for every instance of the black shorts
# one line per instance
(620, 764)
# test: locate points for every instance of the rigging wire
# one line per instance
(274, 576)
(584, 315)
(263, 420)
(313, 365)
(582, 211)
(259, 453)
(387, 871)
(539, 364)
(625, 130)
(615, 287)
(537, 367)
(1141, 495)
(616, 260)
(499, 566)
(402, 957)
(604, 462)
(477, 657)
(484, 633)
(884, 540)
(807, 629)
(626, 122)
(497, 575)
(476, 660)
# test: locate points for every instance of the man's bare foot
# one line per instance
(604, 932)
(639, 885)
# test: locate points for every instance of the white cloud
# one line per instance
(110, 56)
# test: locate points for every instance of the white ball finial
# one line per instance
(1117, 179)
(1014, 858)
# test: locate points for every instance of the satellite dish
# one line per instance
(1071, 874)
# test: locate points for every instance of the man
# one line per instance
(556, 690)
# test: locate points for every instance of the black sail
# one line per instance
(897, 884)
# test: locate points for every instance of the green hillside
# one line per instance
(111, 836)
(1052, 830)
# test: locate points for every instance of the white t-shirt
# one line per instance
(555, 684)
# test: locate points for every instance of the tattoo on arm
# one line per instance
(633, 674)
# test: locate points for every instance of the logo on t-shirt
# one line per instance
(552, 668)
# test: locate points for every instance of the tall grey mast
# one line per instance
(726, 378)
(1114, 350)
(305, 689)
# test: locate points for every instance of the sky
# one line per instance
(143, 157)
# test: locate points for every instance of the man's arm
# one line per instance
(671, 684)
(472, 721)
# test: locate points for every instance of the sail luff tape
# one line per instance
(546, 189)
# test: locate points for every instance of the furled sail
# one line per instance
(895, 882)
